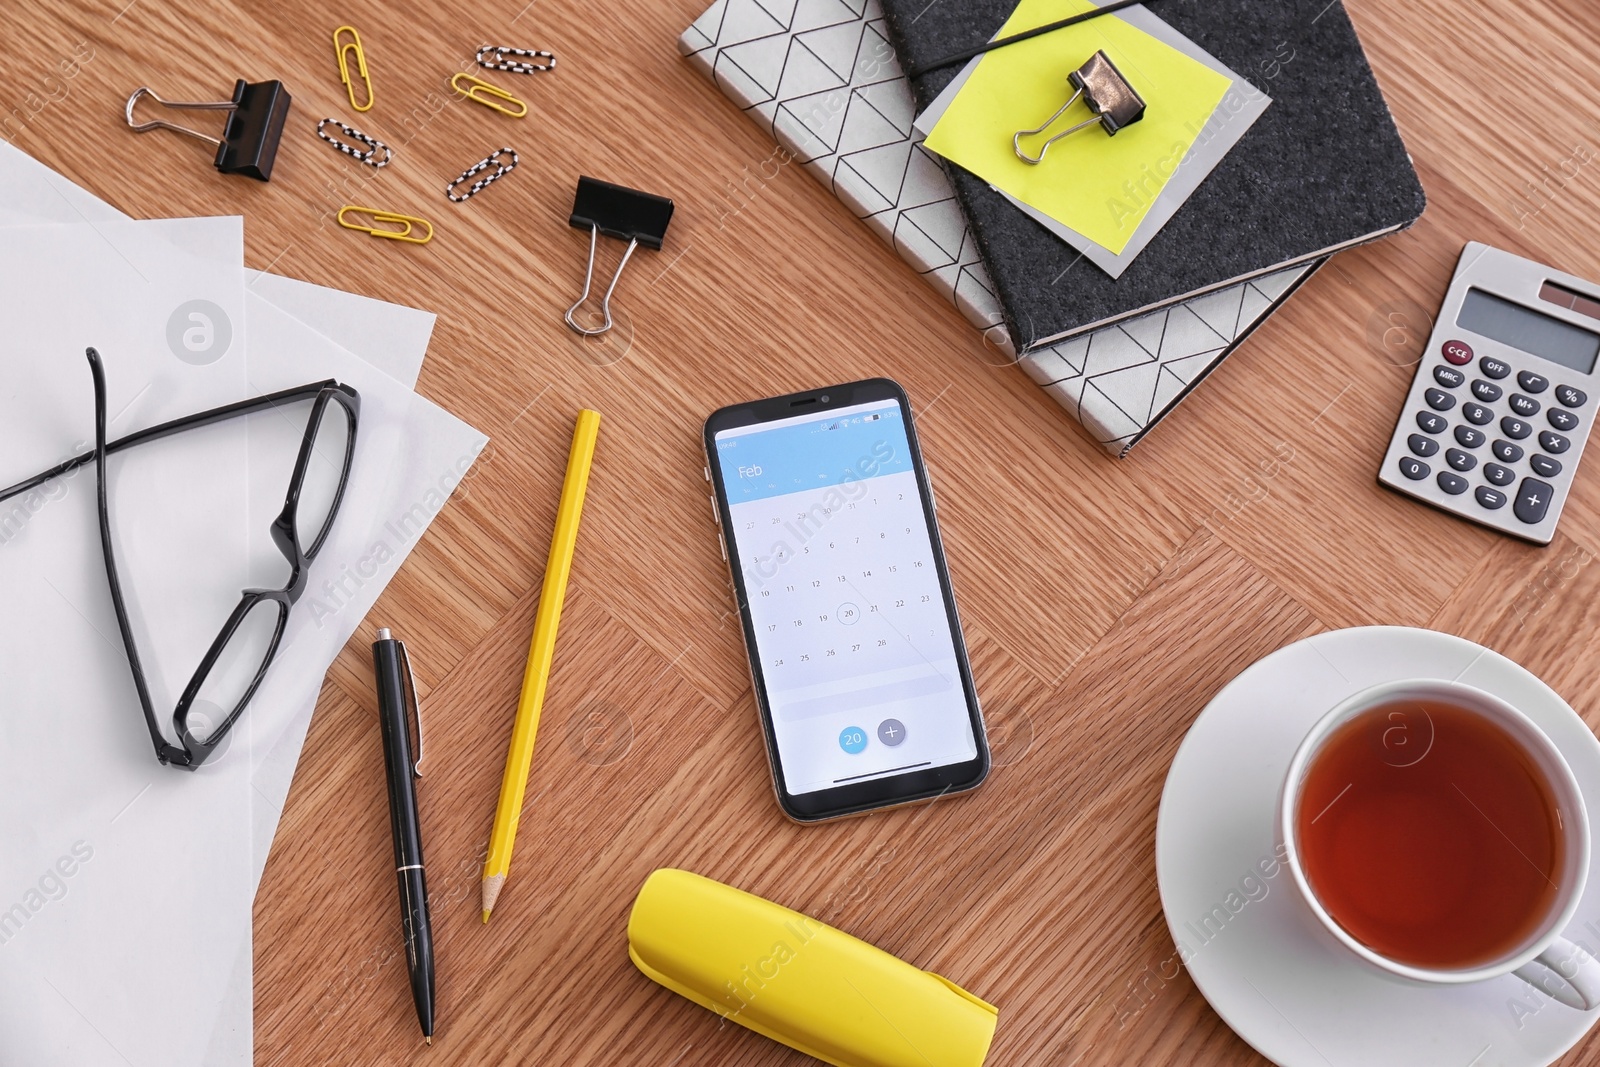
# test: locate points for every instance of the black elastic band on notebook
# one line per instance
(1025, 35)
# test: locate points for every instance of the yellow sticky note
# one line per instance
(1099, 185)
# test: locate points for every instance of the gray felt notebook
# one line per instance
(1323, 169)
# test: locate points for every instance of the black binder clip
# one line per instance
(1112, 101)
(249, 142)
(620, 212)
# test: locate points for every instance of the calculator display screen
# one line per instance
(1512, 324)
(856, 649)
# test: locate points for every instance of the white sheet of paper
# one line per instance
(388, 336)
(118, 874)
(31, 192)
(392, 337)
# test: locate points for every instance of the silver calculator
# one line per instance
(1501, 406)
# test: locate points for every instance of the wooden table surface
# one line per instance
(1105, 602)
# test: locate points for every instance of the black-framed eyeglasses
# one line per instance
(233, 667)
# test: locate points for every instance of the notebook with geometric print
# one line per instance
(822, 78)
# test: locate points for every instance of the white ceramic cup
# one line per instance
(1546, 960)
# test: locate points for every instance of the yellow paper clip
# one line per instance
(343, 50)
(409, 222)
(491, 93)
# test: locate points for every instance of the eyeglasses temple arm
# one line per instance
(164, 750)
(167, 429)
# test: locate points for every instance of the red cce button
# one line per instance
(1457, 352)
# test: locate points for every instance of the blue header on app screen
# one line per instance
(845, 446)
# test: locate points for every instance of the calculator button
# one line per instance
(1492, 499)
(1523, 405)
(1485, 391)
(1533, 497)
(1422, 446)
(1448, 377)
(1567, 396)
(1439, 400)
(1414, 469)
(1431, 423)
(1505, 451)
(1457, 352)
(1561, 418)
(1494, 368)
(1499, 475)
(1477, 414)
(1453, 484)
(1531, 382)
(1460, 460)
(1467, 437)
(1544, 466)
(1553, 443)
(1515, 429)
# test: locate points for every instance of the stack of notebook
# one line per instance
(1322, 169)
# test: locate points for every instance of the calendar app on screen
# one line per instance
(856, 647)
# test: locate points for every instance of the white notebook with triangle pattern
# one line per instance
(821, 76)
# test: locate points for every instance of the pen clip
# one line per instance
(416, 709)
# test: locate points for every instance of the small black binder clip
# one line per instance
(620, 212)
(249, 141)
(1113, 102)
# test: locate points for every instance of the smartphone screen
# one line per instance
(850, 623)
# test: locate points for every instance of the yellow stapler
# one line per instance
(799, 981)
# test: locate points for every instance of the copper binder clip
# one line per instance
(1113, 104)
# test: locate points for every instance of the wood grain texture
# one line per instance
(1105, 601)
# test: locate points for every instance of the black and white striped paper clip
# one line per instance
(367, 155)
(501, 169)
(495, 57)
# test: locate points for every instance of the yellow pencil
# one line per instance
(537, 673)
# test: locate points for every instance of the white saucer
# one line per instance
(1293, 997)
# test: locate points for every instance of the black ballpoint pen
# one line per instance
(397, 692)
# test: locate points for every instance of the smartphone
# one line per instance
(856, 655)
